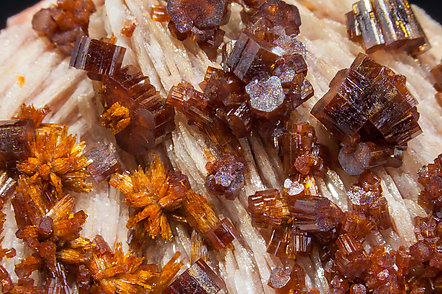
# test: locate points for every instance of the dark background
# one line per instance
(433, 7)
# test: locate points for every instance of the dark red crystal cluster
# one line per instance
(133, 109)
(199, 21)
(372, 112)
(299, 215)
(64, 22)
(430, 177)
(387, 24)
(263, 80)
(436, 73)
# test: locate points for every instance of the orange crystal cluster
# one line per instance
(64, 22)
(159, 193)
(372, 112)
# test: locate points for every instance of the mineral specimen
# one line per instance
(225, 176)
(386, 23)
(149, 194)
(105, 162)
(430, 177)
(369, 108)
(14, 138)
(64, 22)
(56, 159)
(198, 279)
(97, 57)
(136, 112)
(285, 279)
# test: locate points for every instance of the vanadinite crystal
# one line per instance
(369, 108)
(105, 162)
(386, 23)
(198, 279)
(97, 57)
(430, 177)
(200, 21)
(136, 112)
(285, 279)
(14, 138)
(64, 22)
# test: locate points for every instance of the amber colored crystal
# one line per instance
(251, 58)
(357, 224)
(149, 194)
(225, 176)
(239, 119)
(268, 208)
(351, 260)
(314, 214)
(387, 24)
(195, 105)
(105, 162)
(119, 272)
(64, 22)
(224, 89)
(288, 242)
(116, 117)
(15, 136)
(430, 177)
(198, 279)
(222, 234)
(369, 103)
(199, 213)
(135, 111)
(159, 13)
(56, 159)
(97, 57)
(300, 151)
(30, 112)
(285, 279)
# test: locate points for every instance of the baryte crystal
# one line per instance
(97, 57)
(64, 22)
(198, 279)
(386, 23)
(369, 103)
(105, 162)
(225, 176)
